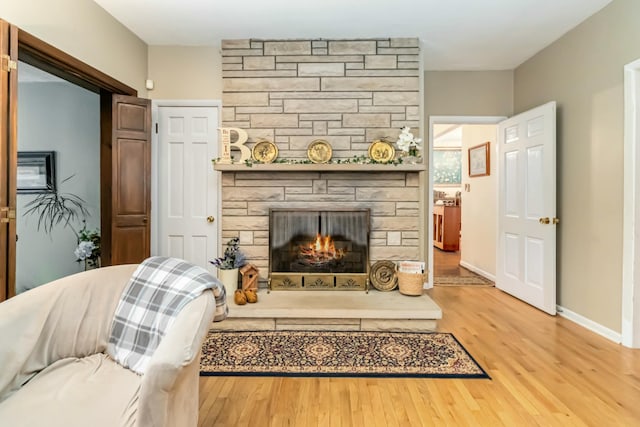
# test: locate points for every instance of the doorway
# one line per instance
(17, 44)
(60, 119)
(462, 208)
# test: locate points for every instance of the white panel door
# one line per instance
(187, 183)
(526, 258)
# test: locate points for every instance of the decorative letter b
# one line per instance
(245, 152)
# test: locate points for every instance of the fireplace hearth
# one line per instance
(318, 249)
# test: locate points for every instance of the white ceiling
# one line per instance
(447, 132)
(456, 34)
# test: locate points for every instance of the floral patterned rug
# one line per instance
(337, 354)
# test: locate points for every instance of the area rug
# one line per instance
(474, 280)
(337, 354)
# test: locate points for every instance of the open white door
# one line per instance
(187, 183)
(526, 246)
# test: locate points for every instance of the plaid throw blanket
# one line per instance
(158, 289)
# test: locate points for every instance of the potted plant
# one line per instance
(88, 249)
(409, 145)
(54, 208)
(228, 265)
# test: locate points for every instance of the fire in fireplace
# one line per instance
(321, 252)
(318, 249)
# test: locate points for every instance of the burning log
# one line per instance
(321, 251)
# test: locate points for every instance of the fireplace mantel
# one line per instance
(318, 167)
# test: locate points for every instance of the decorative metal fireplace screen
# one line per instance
(318, 249)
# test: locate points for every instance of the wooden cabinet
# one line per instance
(446, 227)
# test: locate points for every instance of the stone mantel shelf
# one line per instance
(318, 167)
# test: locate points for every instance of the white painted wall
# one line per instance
(479, 205)
(64, 118)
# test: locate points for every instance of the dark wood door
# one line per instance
(129, 177)
(8, 157)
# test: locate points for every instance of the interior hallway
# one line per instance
(446, 263)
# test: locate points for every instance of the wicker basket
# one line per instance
(410, 283)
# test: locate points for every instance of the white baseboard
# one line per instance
(477, 270)
(589, 324)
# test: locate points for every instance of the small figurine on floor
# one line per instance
(247, 296)
(252, 295)
(239, 297)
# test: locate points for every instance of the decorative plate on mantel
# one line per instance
(319, 151)
(264, 151)
(381, 151)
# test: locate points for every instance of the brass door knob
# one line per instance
(555, 220)
(210, 219)
(544, 220)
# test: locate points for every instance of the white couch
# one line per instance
(54, 370)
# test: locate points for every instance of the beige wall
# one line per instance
(479, 205)
(84, 30)
(185, 72)
(468, 93)
(583, 72)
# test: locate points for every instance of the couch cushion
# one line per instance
(91, 391)
(70, 317)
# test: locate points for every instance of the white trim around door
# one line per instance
(631, 208)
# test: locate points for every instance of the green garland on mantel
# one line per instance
(355, 160)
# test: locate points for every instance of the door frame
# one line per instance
(55, 61)
(37, 52)
(438, 120)
(631, 208)
(156, 104)
(8, 158)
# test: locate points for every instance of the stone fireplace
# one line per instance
(392, 197)
(318, 249)
(347, 92)
(394, 201)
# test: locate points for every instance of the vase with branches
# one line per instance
(233, 256)
(228, 265)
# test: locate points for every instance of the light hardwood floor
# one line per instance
(446, 263)
(546, 371)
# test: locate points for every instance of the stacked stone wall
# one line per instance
(348, 92)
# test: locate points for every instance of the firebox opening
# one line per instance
(319, 249)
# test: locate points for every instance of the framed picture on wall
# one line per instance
(479, 160)
(36, 171)
(447, 166)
